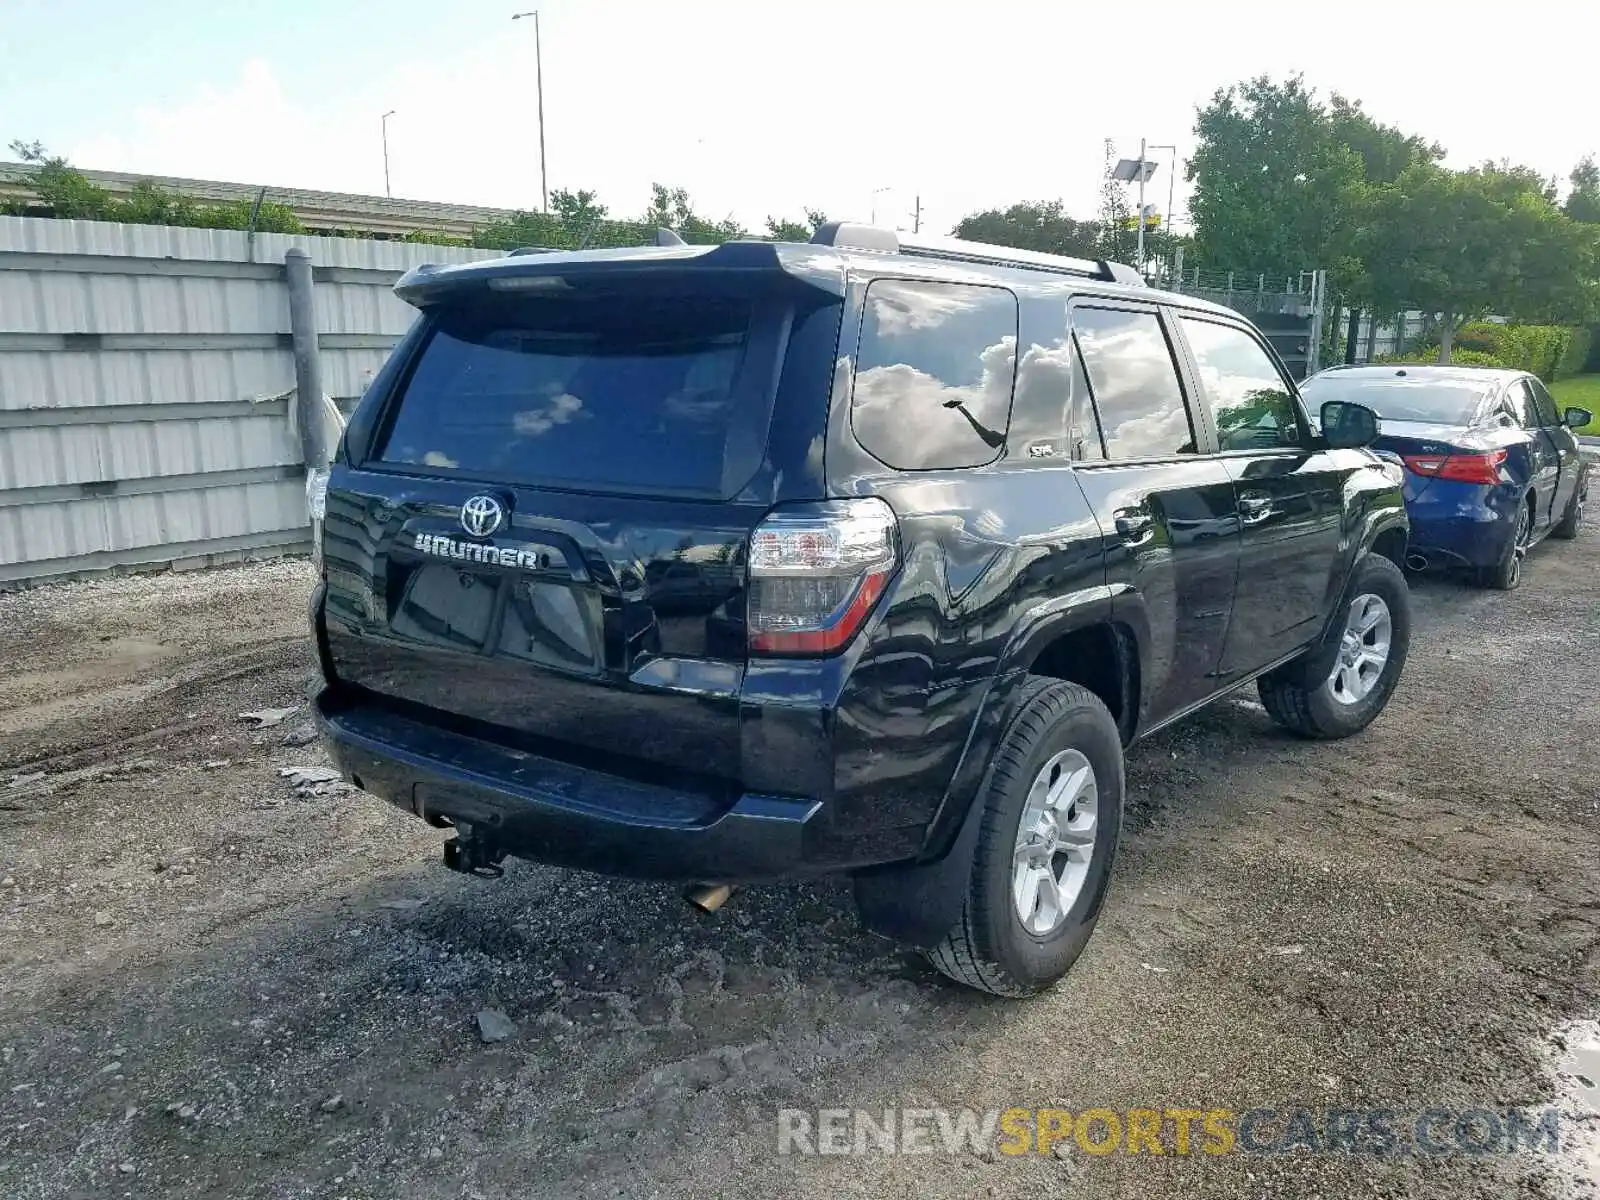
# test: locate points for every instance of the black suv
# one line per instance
(867, 556)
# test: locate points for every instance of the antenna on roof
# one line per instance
(665, 237)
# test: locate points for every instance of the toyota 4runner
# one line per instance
(867, 556)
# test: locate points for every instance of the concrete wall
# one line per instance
(145, 377)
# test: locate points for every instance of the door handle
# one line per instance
(1134, 526)
(1254, 507)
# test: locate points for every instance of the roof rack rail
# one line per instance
(850, 235)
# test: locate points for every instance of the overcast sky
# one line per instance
(755, 107)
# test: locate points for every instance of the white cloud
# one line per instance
(533, 422)
(910, 418)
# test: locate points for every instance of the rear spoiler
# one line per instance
(533, 270)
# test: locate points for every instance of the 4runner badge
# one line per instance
(439, 545)
(482, 515)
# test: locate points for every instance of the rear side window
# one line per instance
(637, 392)
(1249, 401)
(1134, 383)
(934, 374)
(1520, 396)
(1544, 402)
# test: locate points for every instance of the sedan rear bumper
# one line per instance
(1461, 523)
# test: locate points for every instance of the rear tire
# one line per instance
(1055, 780)
(1572, 519)
(1506, 574)
(1340, 688)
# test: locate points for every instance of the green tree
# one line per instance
(1464, 244)
(782, 229)
(670, 208)
(1117, 236)
(1583, 201)
(1384, 150)
(68, 194)
(1043, 227)
(579, 210)
(1274, 186)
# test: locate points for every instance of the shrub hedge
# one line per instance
(1430, 354)
(1549, 351)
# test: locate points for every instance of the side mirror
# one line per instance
(1576, 418)
(1347, 426)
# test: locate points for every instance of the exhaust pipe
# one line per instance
(708, 897)
(1417, 562)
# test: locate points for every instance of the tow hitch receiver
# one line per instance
(473, 855)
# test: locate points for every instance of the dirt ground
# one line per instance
(214, 982)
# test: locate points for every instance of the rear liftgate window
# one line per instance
(934, 374)
(611, 392)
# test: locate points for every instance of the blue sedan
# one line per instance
(1491, 468)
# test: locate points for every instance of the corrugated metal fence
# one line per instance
(145, 380)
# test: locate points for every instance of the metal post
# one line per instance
(1172, 187)
(538, 79)
(385, 123)
(1140, 256)
(538, 83)
(1319, 288)
(1177, 266)
(916, 217)
(307, 364)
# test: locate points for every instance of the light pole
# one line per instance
(538, 78)
(876, 192)
(384, 122)
(1172, 184)
(1128, 170)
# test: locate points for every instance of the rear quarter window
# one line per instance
(934, 374)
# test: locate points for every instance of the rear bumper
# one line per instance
(1461, 523)
(553, 812)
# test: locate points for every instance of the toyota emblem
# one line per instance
(482, 515)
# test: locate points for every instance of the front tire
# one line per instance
(1572, 519)
(1051, 819)
(1341, 688)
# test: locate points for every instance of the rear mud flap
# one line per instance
(918, 904)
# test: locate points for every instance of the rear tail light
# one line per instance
(816, 572)
(1461, 468)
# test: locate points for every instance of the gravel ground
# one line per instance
(217, 982)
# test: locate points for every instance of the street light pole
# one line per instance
(538, 77)
(385, 124)
(1143, 171)
(1172, 183)
(876, 192)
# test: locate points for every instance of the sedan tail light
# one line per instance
(816, 572)
(1461, 468)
